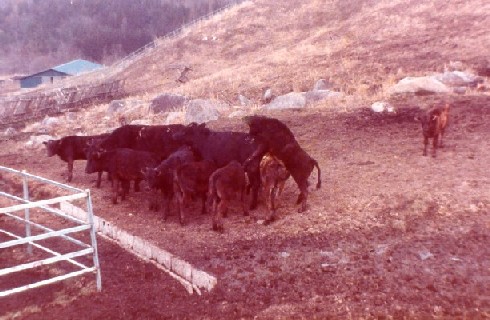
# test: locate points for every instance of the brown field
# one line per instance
(391, 234)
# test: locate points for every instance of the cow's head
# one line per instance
(94, 160)
(151, 176)
(52, 147)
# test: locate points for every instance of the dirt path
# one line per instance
(391, 233)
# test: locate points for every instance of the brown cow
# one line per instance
(273, 176)
(434, 123)
(191, 180)
(224, 184)
(275, 137)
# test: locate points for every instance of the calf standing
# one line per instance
(192, 180)
(434, 123)
(123, 165)
(224, 184)
(161, 177)
(273, 175)
(71, 148)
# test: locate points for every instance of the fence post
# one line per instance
(90, 218)
(26, 211)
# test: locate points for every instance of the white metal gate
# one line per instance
(21, 213)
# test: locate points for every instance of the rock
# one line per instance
(201, 111)
(35, 142)
(419, 85)
(175, 117)
(9, 132)
(458, 79)
(238, 114)
(244, 101)
(320, 95)
(49, 124)
(291, 100)
(382, 106)
(70, 116)
(115, 106)
(125, 106)
(322, 84)
(167, 103)
(268, 96)
(459, 90)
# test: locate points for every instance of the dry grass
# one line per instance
(289, 45)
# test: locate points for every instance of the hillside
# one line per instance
(362, 46)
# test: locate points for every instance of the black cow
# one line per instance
(156, 139)
(274, 137)
(123, 165)
(71, 148)
(222, 147)
(192, 180)
(161, 177)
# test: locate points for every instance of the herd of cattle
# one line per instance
(187, 162)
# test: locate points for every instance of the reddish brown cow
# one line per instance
(434, 123)
(192, 180)
(224, 184)
(273, 175)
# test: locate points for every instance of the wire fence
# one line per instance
(98, 86)
(37, 231)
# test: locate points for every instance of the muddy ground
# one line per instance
(391, 234)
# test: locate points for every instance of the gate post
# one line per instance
(25, 188)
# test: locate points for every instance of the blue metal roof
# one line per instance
(77, 66)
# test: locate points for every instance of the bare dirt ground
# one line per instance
(391, 234)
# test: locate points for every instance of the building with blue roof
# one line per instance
(57, 73)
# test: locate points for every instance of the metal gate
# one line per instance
(23, 212)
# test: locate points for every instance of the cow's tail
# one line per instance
(319, 183)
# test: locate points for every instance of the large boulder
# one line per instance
(458, 79)
(321, 95)
(167, 102)
(175, 117)
(201, 111)
(127, 106)
(419, 85)
(322, 84)
(292, 100)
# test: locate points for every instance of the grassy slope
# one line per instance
(288, 45)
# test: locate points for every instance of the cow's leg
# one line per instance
(441, 145)
(218, 221)
(99, 178)
(270, 203)
(185, 203)
(137, 185)
(125, 188)
(426, 142)
(70, 170)
(203, 203)
(243, 200)
(434, 145)
(166, 206)
(303, 196)
(115, 190)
